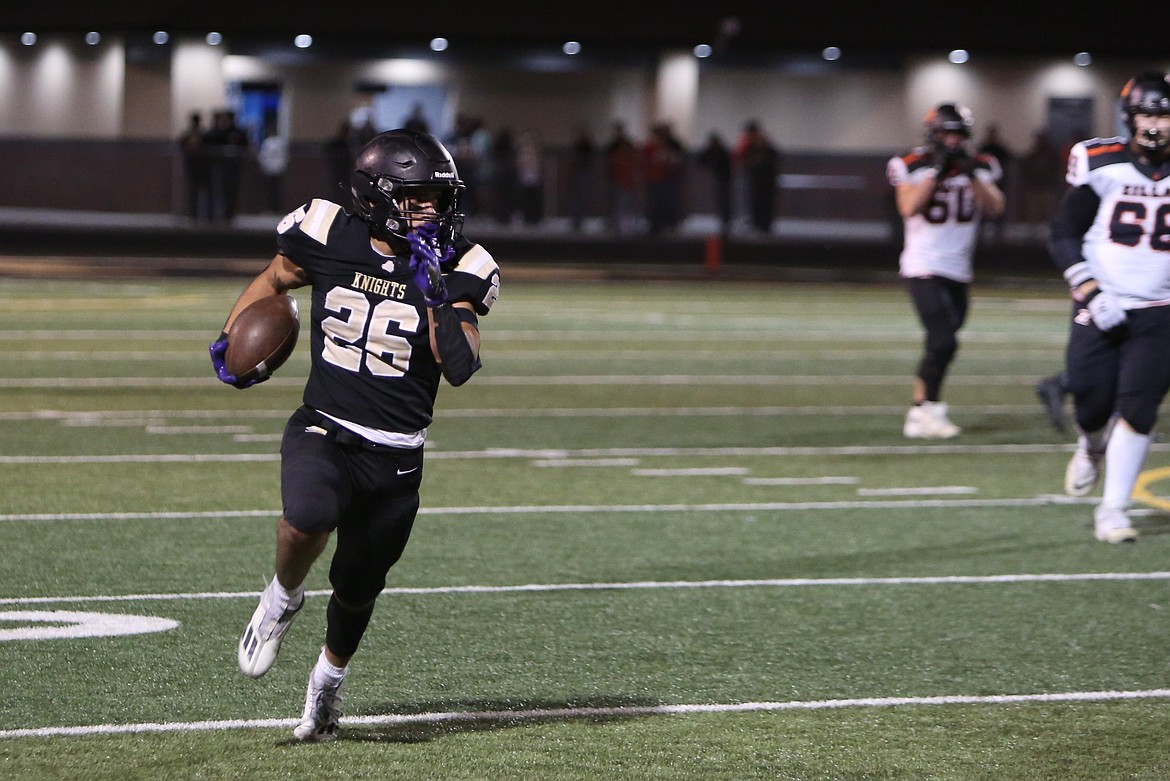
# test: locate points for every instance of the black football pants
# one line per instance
(941, 305)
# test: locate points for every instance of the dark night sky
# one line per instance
(994, 27)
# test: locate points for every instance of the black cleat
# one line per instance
(1050, 391)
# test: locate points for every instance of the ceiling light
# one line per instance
(93, 39)
(214, 39)
(28, 39)
(571, 48)
(959, 56)
(438, 44)
(1083, 59)
(703, 51)
(303, 41)
(831, 53)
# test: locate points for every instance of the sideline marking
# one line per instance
(913, 504)
(587, 713)
(939, 580)
(927, 490)
(534, 380)
(610, 452)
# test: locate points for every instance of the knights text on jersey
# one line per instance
(1128, 245)
(940, 240)
(370, 337)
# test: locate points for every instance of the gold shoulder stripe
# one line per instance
(477, 261)
(318, 219)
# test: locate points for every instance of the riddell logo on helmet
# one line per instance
(444, 175)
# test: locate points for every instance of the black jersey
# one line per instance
(370, 338)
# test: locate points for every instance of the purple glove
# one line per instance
(426, 257)
(218, 349)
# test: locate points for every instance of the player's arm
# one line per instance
(1078, 210)
(280, 276)
(988, 196)
(455, 340)
(913, 197)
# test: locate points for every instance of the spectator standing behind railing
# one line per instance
(662, 157)
(623, 163)
(759, 159)
(226, 144)
(716, 158)
(273, 161)
(195, 169)
(581, 173)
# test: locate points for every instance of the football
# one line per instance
(262, 338)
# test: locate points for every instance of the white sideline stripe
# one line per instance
(552, 333)
(131, 417)
(535, 380)
(557, 453)
(198, 429)
(939, 580)
(586, 713)
(567, 462)
(698, 471)
(537, 509)
(929, 490)
(827, 480)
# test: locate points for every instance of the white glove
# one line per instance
(1106, 310)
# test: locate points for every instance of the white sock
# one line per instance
(325, 675)
(292, 597)
(1124, 459)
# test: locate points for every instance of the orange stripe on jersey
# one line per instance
(1104, 149)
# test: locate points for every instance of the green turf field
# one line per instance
(671, 531)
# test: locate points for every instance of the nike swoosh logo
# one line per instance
(407, 471)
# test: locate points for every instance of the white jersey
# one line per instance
(1128, 245)
(940, 240)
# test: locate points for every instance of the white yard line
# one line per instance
(558, 509)
(528, 588)
(559, 453)
(616, 712)
(574, 380)
(125, 417)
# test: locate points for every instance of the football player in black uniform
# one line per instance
(1110, 240)
(396, 292)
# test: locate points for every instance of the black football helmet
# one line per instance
(389, 167)
(947, 118)
(1147, 93)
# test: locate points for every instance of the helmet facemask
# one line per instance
(388, 205)
(947, 118)
(397, 170)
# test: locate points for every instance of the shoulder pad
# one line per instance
(312, 220)
(1106, 151)
(475, 278)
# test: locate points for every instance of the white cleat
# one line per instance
(1113, 526)
(322, 713)
(261, 640)
(929, 421)
(1083, 470)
